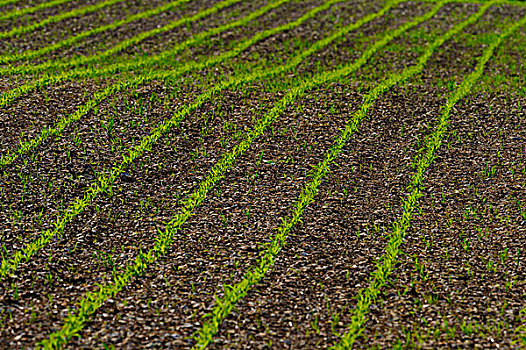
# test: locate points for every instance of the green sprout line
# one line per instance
(52, 79)
(83, 60)
(28, 145)
(91, 301)
(518, 3)
(255, 274)
(25, 11)
(31, 54)
(57, 18)
(8, 2)
(423, 160)
(102, 183)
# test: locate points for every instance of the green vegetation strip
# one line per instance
(102, 184)
(28, 145)
(57, 64)
(481, 2)
(379, 278)
(30, 54)
(57, 18)
(8, 2)
(94, 300)
(255, 274)
(52, 79)
(25, 11)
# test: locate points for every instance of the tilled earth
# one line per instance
(459, 280)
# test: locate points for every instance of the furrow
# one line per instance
(28, 145)
(92, 301)
(21, 12)
(369, 295)
(57, 18)
(31, 54)
(233, 294)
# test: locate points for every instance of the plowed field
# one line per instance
(258, 174)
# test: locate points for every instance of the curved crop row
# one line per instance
(103, 183)
(8, 2)
(256, 273)
(61, 65)
(379, 277)
(52, 79)
(26, 146)
(25, 11)
(93, 300)
(31, 54)
(482, 2)
(57, 18)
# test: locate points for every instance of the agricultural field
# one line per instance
(282, 174)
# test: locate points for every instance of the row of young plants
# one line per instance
(28, 10)
(487, 245)
(482, 241)
(424, 159)
(174, 147)
(105, 182)
(55, 68)
(50, 131)
(8, 2)
(233, 294)
(92, 301)
(243, 45)
(57, 18)
(96, 188)
(143, 62)
(32, 54)
(171, 75)
(518, 3)
(30, 144)
(487, 268)
(63, 124)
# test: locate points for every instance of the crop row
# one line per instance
(92, 301)
(104, 182)
(225, 304)
(57, 18)
(86, 60)
(232, 295)
(98, 188)
(8, 2)
(31, 54)
(239, 290)
(26, 146)
(378, 279)
(295, 62)
(27, 10)
(79, 73)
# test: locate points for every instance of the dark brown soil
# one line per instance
(459, 280)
